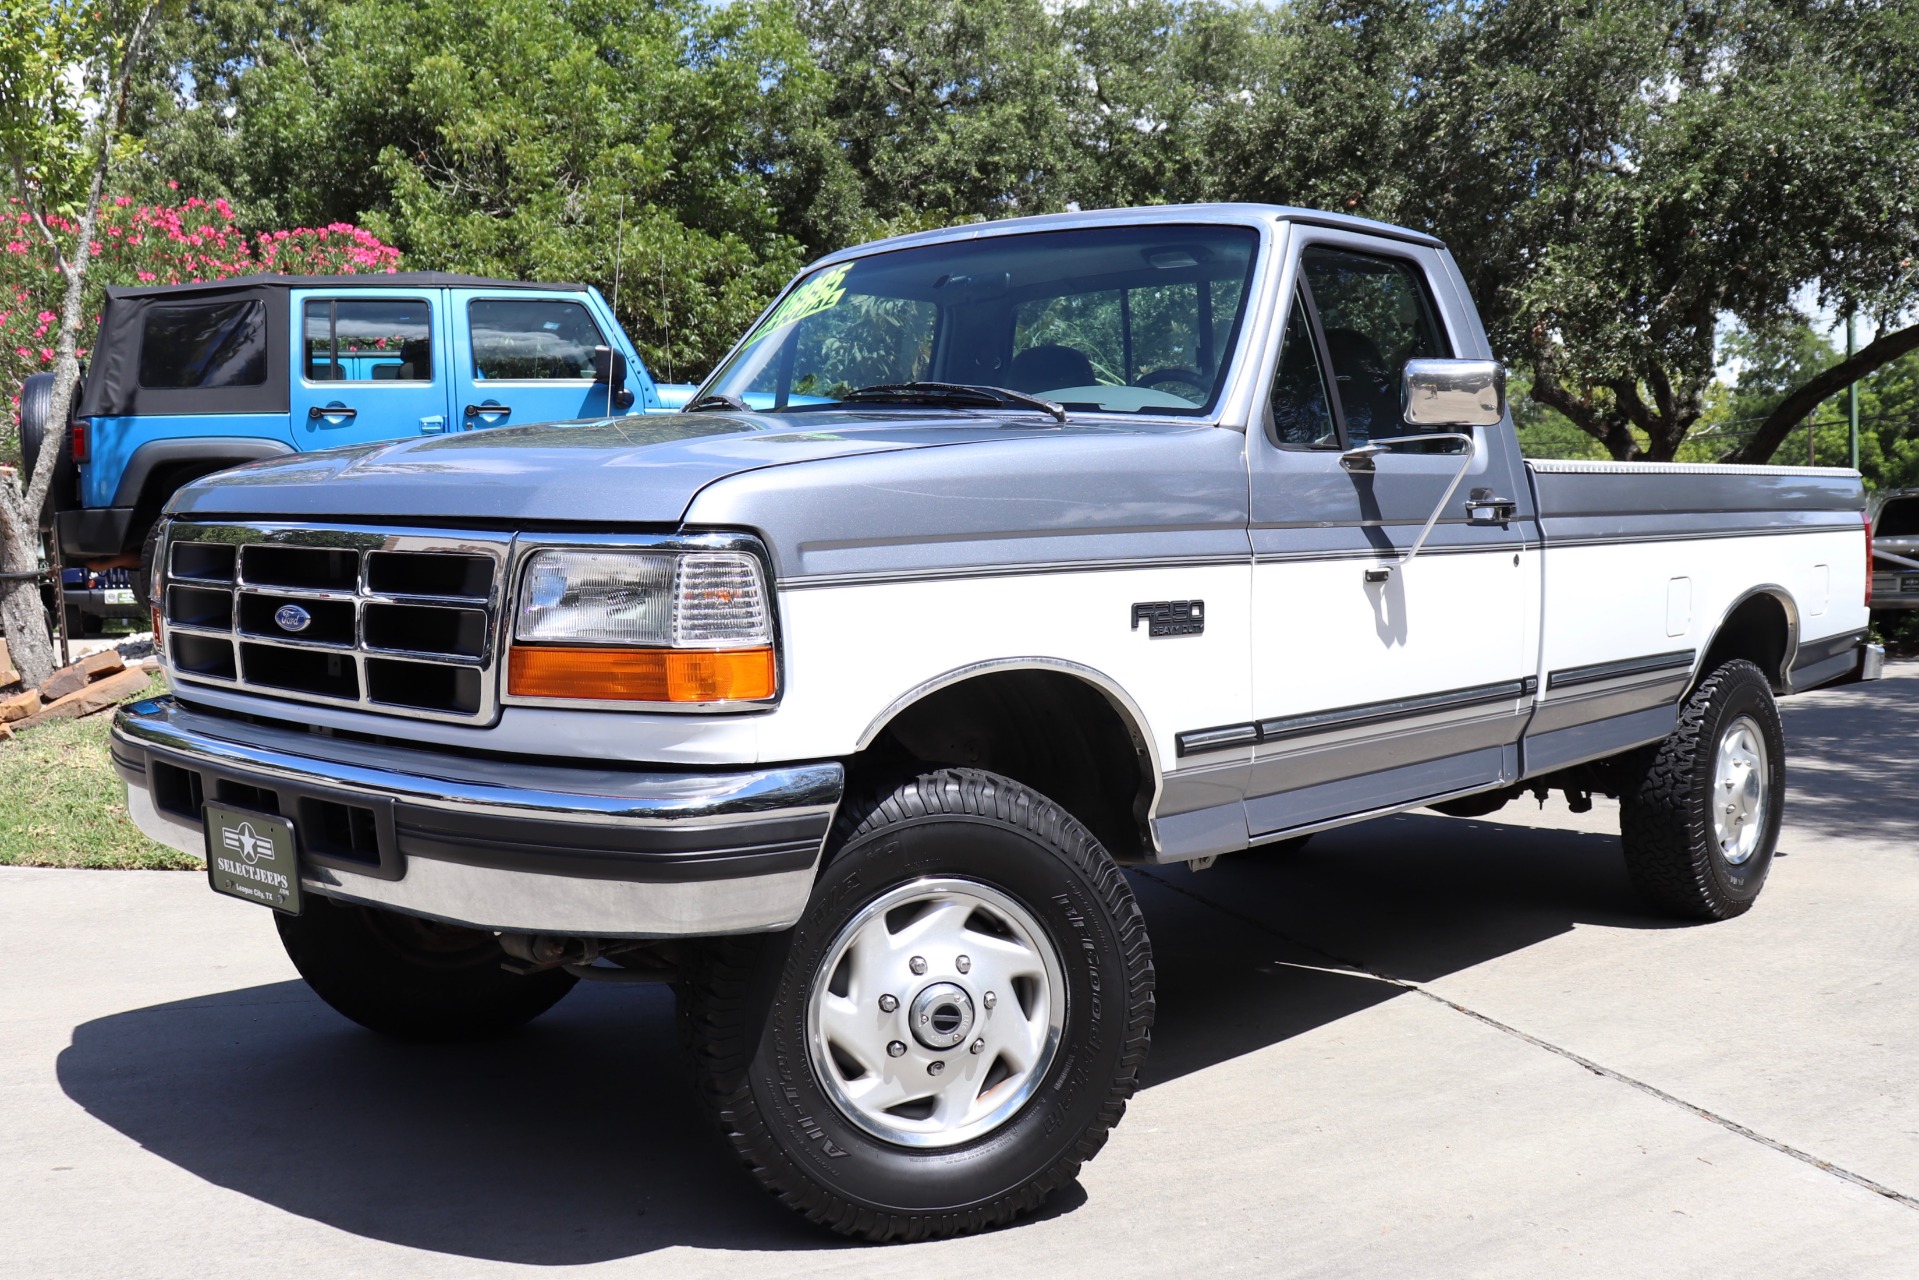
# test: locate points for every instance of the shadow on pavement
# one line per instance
(1850, 763)
(580, 1140)
(1417, 896)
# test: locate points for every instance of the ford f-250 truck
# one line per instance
(1050, 546)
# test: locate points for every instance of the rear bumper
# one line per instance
(93, 603)
(495, 844)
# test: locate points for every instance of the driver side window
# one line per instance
(1374, 316)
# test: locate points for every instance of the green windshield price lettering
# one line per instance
(821, 293)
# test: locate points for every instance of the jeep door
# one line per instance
(370, 364)
(1376, 681)
(526, 357)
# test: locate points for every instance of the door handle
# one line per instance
(475, 410)
(1482, 507)
(319, 411)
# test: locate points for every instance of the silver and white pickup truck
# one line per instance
(990, 561)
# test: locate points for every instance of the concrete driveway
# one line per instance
(1426, 1046)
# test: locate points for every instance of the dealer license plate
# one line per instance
(119, 595)
(1908, 582)
(252, 855)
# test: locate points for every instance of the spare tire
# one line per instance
(36, 418)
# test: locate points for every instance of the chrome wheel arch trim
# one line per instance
(1780, 679)
(1109, 688)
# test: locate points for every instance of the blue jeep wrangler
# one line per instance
(186, 380)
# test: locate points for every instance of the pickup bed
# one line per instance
(1047, 546)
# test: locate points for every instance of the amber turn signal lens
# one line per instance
(641, 675)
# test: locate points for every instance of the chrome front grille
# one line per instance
(401, 621)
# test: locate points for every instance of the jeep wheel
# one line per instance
(1700, 815)
(410, 978)
(952, 1028)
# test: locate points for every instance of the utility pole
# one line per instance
(1852, 392)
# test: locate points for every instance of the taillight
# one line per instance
(77, 438)
(1868, 516)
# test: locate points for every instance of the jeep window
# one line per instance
(1133, 319)
(204, 345)
(369, 340)
(532, 339)
(1375, 315)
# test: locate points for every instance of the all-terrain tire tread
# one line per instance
(1665, 832)
(719, 1034)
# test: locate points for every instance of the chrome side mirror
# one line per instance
(1453, 393)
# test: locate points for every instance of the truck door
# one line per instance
(369, 365)
(524, 357)
(1376, 681)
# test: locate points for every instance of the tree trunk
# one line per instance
(29, 642)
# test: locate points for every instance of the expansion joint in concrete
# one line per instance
(1341, 966)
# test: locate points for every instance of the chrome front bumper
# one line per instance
(497, 844)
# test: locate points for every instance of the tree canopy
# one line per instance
(1625, 183)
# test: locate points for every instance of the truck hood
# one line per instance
(624, 471)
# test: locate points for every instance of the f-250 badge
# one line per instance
(1171, 617)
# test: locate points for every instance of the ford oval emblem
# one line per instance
(292, 617)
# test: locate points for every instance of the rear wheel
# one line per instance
(952, 1028)
(1700, 814)
(411, 978)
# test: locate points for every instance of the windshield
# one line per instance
(1110, 319)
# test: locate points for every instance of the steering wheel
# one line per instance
(1191, 377)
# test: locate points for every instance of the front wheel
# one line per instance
(952, 1028)
(410, 978)
(1700, 815)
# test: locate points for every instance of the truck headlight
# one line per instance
(643, 626)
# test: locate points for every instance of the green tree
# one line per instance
(946, 109)
(658, 144)
(66, 71)
(1617, 179)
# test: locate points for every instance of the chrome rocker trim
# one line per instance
(506, 845)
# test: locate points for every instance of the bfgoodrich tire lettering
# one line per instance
(410, 978)
(748, 1015)
(1675, 854)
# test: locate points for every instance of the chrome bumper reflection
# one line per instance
(506, 845)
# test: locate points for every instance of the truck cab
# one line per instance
(187, 380)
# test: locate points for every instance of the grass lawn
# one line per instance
(62, 805)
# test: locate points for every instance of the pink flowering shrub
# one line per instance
(138, 244)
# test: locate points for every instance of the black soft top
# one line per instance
(368, 280)
(112, 388)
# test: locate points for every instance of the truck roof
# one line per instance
(1245, 214)
(369, 280)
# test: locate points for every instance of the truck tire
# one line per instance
(143, 576)
(82, 624)
(951, 1029)
(1699, 814)
(410, 978)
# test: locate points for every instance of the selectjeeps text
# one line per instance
(1047, 547)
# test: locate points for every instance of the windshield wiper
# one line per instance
(952, 393)
(716, 400)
